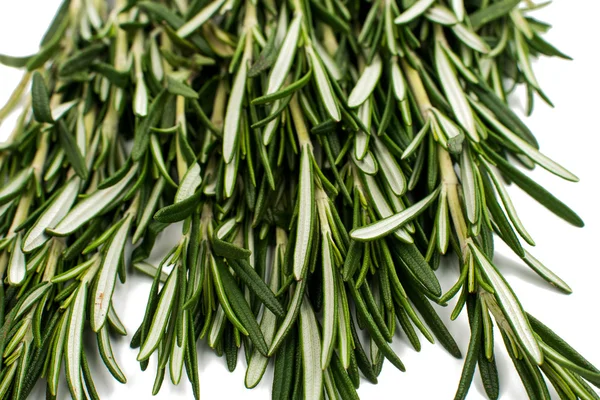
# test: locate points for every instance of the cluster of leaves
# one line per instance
(319, 158)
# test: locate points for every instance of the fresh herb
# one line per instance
(319, 156)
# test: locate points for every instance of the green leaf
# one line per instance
(417, 8)
(189, 183)
(59, 111)
(14, 62)
(458, 6)
(178, 88)
(525, 147)
(414, 263)
(35, 293)
(142, 134)
(366, 83)
(233, 115)
(470, 38)
(382, 207)
(558, 344)
(160, 318)
(36, 236)
(324, 86)
(257, 286)
(472, 355)
(82, 60)
(305, 223)
(433, 320)
(116, 77)
(546, 273)
(284, 369)
(285, 92)
(329, 309)
(72, 152)
(441, 15)
(56, 356)
(493, 11)
(536, 191)
(368, 164)
(16, 185)
(92, 206)
(200, 18)
(105, 283)
(228, 250)
(179, 211)
(159, 162)
(268, 325)
(503, 113)
(40, 99)
(454, 92)
(16, 263)
(290, 317)
(107, 355)
(310, 344)
(58, 24)
(508, 204)
(500, 222)
(512, 309)
(389, 167)
(398, 83)
(362, 311)
(74, 342)
(223, 299)
(489, 375)
(265, 59)
(242, 309)
(546, 48)
(286, 55)
(330, 64)
(387, 225)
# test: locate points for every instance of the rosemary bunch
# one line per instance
(319, 158)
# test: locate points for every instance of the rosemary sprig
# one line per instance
(320, 159)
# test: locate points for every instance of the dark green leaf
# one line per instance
(255, 283)
(40, 99)
(492, 12)
(414, 263)
(72, 152)
(242, 309)
(116, 77)
(14, 62)
(179, 88)
(229, 250)
(142, 133)
(536, 191)
(82, 60)
(179, 211)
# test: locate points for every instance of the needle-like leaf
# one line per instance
(387, 225)
(510, 306)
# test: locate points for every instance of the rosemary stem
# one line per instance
(329, 40)
(120, 54)
(450, 182)
(181, 122)
(250, 22)
(218, 112)
(418, 89)
(299, 123)
(40, 156)
(321, 200)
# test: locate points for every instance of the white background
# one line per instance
(569, 134)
